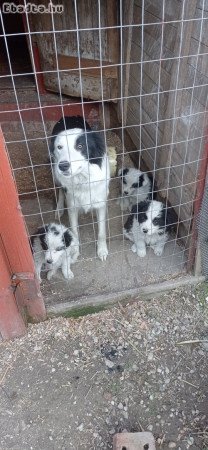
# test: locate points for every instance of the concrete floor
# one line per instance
(122, 270)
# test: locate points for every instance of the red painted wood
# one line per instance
(51, 112)
(15, 242)
(11, 321)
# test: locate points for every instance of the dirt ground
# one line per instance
(73, 383)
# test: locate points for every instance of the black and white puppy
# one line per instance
(81, 168)
(136, 186)
(149, 224)
(54, 246)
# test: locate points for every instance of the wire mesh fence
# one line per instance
(135, 72)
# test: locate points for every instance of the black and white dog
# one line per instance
(136, 186)
(81, 168)
(54, 246)
(149, 223)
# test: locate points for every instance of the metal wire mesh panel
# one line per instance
(135, 72)
(203, 233)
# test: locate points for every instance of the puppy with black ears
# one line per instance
(149, 223)
(55, 246)
(136, 186)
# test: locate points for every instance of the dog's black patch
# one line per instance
(141, 180)
(41, 233)
(67, 238)
(68, 123)
(54, 230)
(152, 195)
(124, 180)
(93, 147)
(135, 185)
(139, 211)
(123, 172)
(65, 190)
(167, 219)
(128, 224)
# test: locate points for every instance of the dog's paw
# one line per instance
(68, 274)
(102, 251)
(133, 247)
(74, 253)
(142, 253)
(128, 235)
(158, 251)
(50, 274)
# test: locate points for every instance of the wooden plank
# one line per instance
(89, 67)
(112, 34)
(165, 153)
(128, 16)
(89, 49)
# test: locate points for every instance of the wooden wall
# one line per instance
(175, 165)
(59, 51)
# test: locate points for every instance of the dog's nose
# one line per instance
(64, 166)
(125, 193)
(49, 261)
(145, 230)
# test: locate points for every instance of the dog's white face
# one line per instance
(54, 240)
(151, 218)
(68, 152)
(132, 180)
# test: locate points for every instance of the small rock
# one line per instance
(80, 427)
(171, 445)
(150, 356)
(76, 352)
(120, 406)
(190, 440)
(109, 363)
(150, 427)
(112, 431)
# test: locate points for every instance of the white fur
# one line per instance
(152, 237)
(87, 185)
(59, 255)
(130, 195)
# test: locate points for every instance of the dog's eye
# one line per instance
(79, 146)
(59, 147)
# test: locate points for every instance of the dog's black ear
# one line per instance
(140, 181)
(96, 147)
(129, 222)
(41, 233)
(67, 238)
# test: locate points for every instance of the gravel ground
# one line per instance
(73, 383)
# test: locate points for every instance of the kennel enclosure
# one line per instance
(137, 70)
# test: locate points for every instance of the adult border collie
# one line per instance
(81, 168)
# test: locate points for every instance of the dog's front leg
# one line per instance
(67, 273)
(139, 247)
(102, 250)
(60, 205)
(73, 220)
